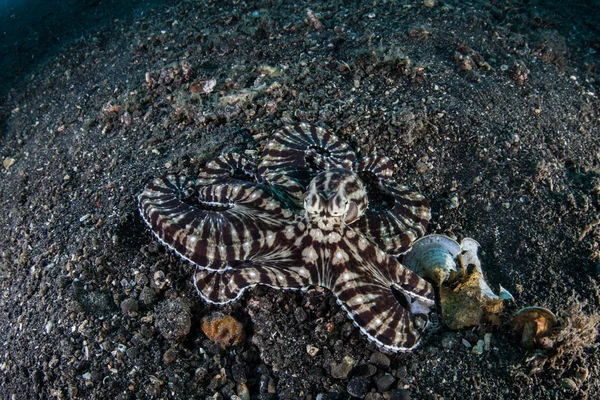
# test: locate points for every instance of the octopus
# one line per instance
(308, 213)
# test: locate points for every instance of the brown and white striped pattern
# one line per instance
(296, 153)
(241, 233)
(396, 227)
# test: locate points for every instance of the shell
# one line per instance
(533, 324)
(434, 257)
(466, 299)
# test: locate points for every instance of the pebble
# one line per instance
(385, 382)
(365, 370)
(342, 369)
(129, 307)
(358, 387)
(173, 319)
(147, 297)
(170, 356)
(399, 394)
(448, 342)
(311, 350)
(238, 373)
(569, 384)
(478, 348)
(380, 360)
(243, 392)
(300, 314)
(487, 340)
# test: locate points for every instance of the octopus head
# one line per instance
(335, 198)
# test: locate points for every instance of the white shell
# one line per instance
(434, 257)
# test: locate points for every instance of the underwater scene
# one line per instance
(385, 199)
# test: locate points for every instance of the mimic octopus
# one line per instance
(308, 214)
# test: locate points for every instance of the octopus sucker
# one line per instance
(308, 214)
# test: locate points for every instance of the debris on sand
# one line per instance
(466, 299)
(533, 324)
(562, 352)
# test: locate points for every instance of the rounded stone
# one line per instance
(173, 319)
(380, 360)
(129, 306)
(147, 297)
(385, 382)
(358, 387)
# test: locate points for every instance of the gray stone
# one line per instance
(385, 382)
(380, 360)
(358, 387)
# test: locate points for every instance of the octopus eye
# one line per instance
(337, 205)
(313, 203)
(351, 212)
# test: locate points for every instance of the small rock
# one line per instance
(300, 314)
(478, 348)
(173, 319)
(129, 307)
(487, 341)
(170, 356)
(429, 3)
(239, 373)
(385, 382)
(358, 387)
(569, 384)
(448, 342)
(380, 360)
(472, 337)
(243, 392)
(341, 370)
(364, 370)
(399, 394)
(159, 279)
(312, 350)
(8, 162)
(147, 297)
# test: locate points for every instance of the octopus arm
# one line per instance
(295, 153)
(381, 296)
(218, 226)
(395, 229)
(225, 286)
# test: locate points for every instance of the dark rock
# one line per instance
(170, 356)
(402, 372)
(300, 314)
(448, 342)
(399, 394)
(129, 307)
(239, 373)
(267, 396)
(380, 360)
(385, 382)
(347, 329)
(358, 387)
(364, 370)
(147, 297)
(173, 319)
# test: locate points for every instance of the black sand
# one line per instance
(490, 110)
